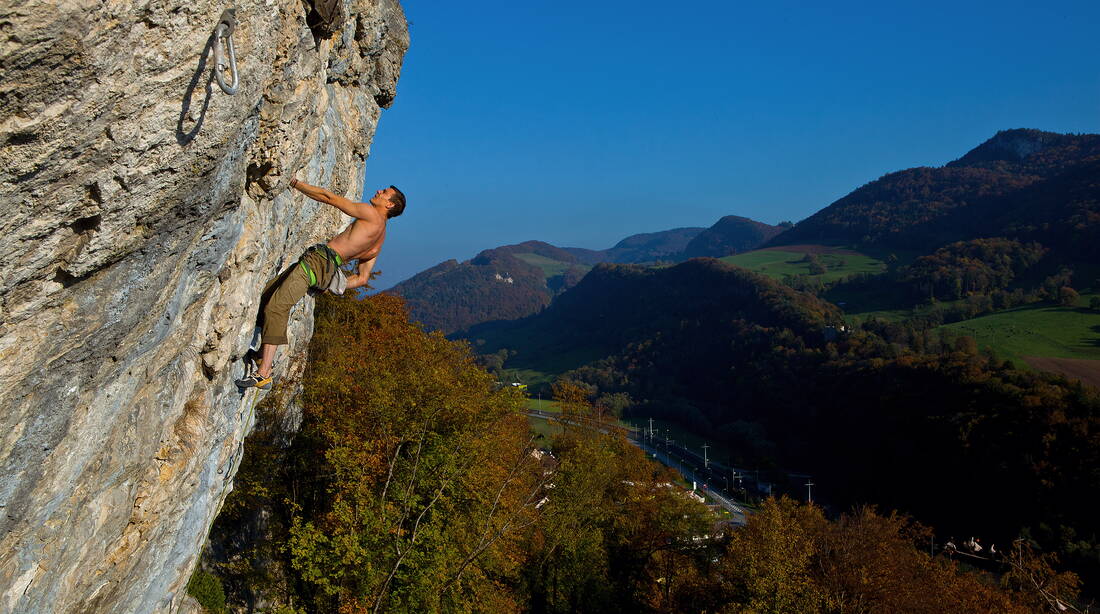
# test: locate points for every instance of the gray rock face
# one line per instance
(143, 211)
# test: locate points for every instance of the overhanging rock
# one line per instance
(143, 211)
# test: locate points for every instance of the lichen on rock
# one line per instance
(144, 211)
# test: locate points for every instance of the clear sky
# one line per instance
(580, 123)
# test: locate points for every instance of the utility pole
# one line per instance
(809, 491)
(651, 428)
(706, 462)
(540, 401)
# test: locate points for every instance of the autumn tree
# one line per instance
(427, 469)
(1033, 576)
(790, 558)
(616, 530)
(767, 564)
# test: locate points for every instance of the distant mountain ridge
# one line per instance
(644, 247)
(513, 281)
(603, 311)
(1020, 147)
(1023, 184)
(992, 190)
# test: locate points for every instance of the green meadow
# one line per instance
(778, 263)
(540, 404)
(1037, 330)
(545, 429)
(549, 266)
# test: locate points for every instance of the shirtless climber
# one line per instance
(319, 268)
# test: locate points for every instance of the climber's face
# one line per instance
(383, 197)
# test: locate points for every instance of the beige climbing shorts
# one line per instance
(282, 293)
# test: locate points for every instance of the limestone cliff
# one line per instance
(143, 210)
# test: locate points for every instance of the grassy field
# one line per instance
(857, 310)
(778, 262)
(549, 266)
(544, 405)
(546, 430)
(542, 366)
(530, 377)
(1037, 330)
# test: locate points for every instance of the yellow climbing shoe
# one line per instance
(256, 381)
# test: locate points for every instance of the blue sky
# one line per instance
(580, 123)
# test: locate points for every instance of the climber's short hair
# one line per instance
(398, 200)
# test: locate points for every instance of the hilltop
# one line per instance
(644, 247)
(730, 235)
(503, 283)
(1023, 184)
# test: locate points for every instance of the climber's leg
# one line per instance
(279, 296)
(267, 358)
(262, 378)
(275, 313)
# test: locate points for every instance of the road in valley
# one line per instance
(738, 514)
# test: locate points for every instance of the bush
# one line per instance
(1067, 297)
(207, 589)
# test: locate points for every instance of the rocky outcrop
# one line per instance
(144, 209)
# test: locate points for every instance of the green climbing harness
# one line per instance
(337, 282)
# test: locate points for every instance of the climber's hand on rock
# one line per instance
(265, 180)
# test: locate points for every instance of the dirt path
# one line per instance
(1087, 371)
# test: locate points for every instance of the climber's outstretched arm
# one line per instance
(352, 208)
(362, 276)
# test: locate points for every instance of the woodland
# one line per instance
(415, 485)
(890, 407)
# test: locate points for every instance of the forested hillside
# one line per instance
(615, 305)
(498, 284)
(415, 486)
(849, 358)
(922, 423)
(1021, 184)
